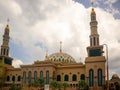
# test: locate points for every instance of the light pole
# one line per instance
(107, 65)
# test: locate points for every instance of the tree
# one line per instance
(82, 85)
(55, 85)
(1, 75)
(14, 87)
(65, 85)
(39, 82)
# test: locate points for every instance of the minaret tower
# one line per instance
(4, 55)
(95, 62)
(94, 49)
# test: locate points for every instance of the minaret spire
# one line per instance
(46, 57)
(60, 46)
(95, 48)
(94, 37)
(5, 44)
(4, 55)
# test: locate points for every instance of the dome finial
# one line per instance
(8, 21)
(46, 57)
(60, 46)
(92, 3)
(7, 26)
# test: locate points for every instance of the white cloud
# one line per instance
(67, 22)
(16, 63)
(12, 6)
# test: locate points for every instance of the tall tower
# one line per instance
(95, 62)
(4, 55)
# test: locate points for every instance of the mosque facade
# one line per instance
(58, 66)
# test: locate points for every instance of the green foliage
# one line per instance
(65, 85)
(14, 87)
(55, 84)
(39, 82)
(82, 85)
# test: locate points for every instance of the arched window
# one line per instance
(4, 51)
(58, 78)
(18, 78)
(99, 77)
(35, 75)
(74, 77)
(90, 41)
(41, 74)
(91, 77)
(24, 77)
(8, 78)
(29, 76)
(13, 78)
(82, 77)
(47, 77)
(66, 78)
(97, 41)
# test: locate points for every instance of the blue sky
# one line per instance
(38, 26)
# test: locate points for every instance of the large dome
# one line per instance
(115, 76)
(61, 57)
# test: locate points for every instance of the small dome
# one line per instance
(61, 57)
(115, 76)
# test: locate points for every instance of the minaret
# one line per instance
(60, 46)
(4, 55)
(5, 44)
(94, 49)
(94, 37)
(95, 61)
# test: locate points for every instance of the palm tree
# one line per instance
(65, 85)
(82, 85)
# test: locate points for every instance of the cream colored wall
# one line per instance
(73, 70)
(13, 72)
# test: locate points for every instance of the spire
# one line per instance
(5, 44)
(94, 37)
(7, 26)
(92, 3)
(60, 46)
(46, 57)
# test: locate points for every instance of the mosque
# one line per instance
(58, 66)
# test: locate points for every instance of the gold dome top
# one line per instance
(7, 27)
(115, 76)
(92, 12)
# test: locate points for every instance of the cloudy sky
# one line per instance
(38, 26)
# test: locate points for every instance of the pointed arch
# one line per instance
(41, 74)
(91, 77)
(47, 77)
(19, 78)
(8, 78)
(66, 78)
(24, 77)
(58, 78)
(99, 77)
(74, 77)
(82, 77)
(35, 75)
(29, 77)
